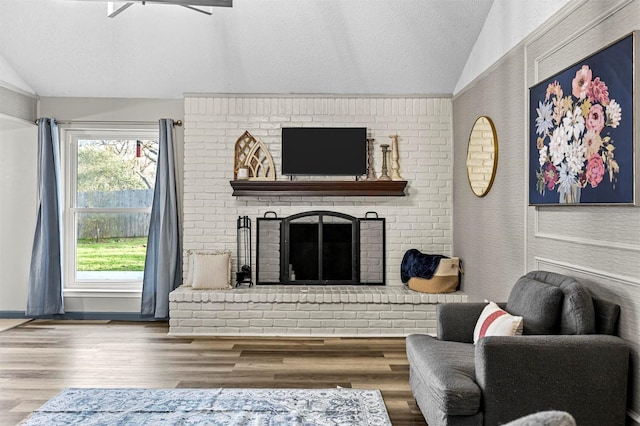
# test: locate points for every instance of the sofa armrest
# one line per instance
(456, 321)
(585, 375)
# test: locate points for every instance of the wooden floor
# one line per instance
(40, 358)
(6, 324)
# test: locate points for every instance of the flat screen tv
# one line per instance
(324, 151)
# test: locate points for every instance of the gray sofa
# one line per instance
(568, 359)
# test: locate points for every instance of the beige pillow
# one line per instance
(211, 271)
(188, 278)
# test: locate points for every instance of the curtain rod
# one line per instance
(175, 123)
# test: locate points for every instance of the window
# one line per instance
(110, 176)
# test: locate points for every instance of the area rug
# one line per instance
(340, 406)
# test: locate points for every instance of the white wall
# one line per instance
(507, 24)
(18, 195)
(421, 220)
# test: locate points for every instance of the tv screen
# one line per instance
(340, 151)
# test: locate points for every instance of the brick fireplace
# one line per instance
(213, 123)
(421, 219)
(305, 311)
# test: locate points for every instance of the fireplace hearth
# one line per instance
(320, 248)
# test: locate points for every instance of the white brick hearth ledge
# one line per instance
(277, 310)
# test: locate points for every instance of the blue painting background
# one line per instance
(614, 66)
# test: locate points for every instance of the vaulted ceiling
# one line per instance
(71, 48)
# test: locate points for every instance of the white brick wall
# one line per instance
(420, 220)
(305, 311)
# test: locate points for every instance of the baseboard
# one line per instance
(12, 315)
(95, 316)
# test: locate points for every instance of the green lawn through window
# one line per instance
(112, 254)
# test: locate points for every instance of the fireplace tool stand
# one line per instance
(243, 275)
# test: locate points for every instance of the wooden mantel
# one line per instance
(318, 188)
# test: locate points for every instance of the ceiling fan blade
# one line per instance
(216, 3)
(196, 9)
(114, 10)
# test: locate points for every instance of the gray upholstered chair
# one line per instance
(568, 359)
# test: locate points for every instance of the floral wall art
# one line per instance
(581, 131)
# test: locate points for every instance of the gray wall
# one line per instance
(488, 232)
(500, 237)
(15, 103)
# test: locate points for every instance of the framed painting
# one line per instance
(581, 131)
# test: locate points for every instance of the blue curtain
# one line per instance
(45, 276)
(163, 265)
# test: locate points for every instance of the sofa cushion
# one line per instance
(607, 315)
(447, 370)
(578, 315)
(539, 305)
(494, 321)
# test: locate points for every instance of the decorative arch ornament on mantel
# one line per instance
(253, 155)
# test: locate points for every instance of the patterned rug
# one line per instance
(340, 406)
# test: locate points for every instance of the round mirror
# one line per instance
(482, 156)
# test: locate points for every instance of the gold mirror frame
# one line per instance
(482, 156)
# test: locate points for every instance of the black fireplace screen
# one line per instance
(320, 247)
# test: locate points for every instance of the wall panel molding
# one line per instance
(589, 242)
(595, 273)
(616, 245)
(576, 35)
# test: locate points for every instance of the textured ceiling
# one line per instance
(71, 48)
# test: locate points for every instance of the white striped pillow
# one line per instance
(494, 321)
(211, 271)
(188, 277)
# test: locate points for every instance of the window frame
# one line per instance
(70, 136)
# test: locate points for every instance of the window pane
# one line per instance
(116, 173)
(111, 246)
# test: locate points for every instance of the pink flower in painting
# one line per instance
(595, 119)
(551, 176)
(595, 170)
(581, 82)
(598, 92)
